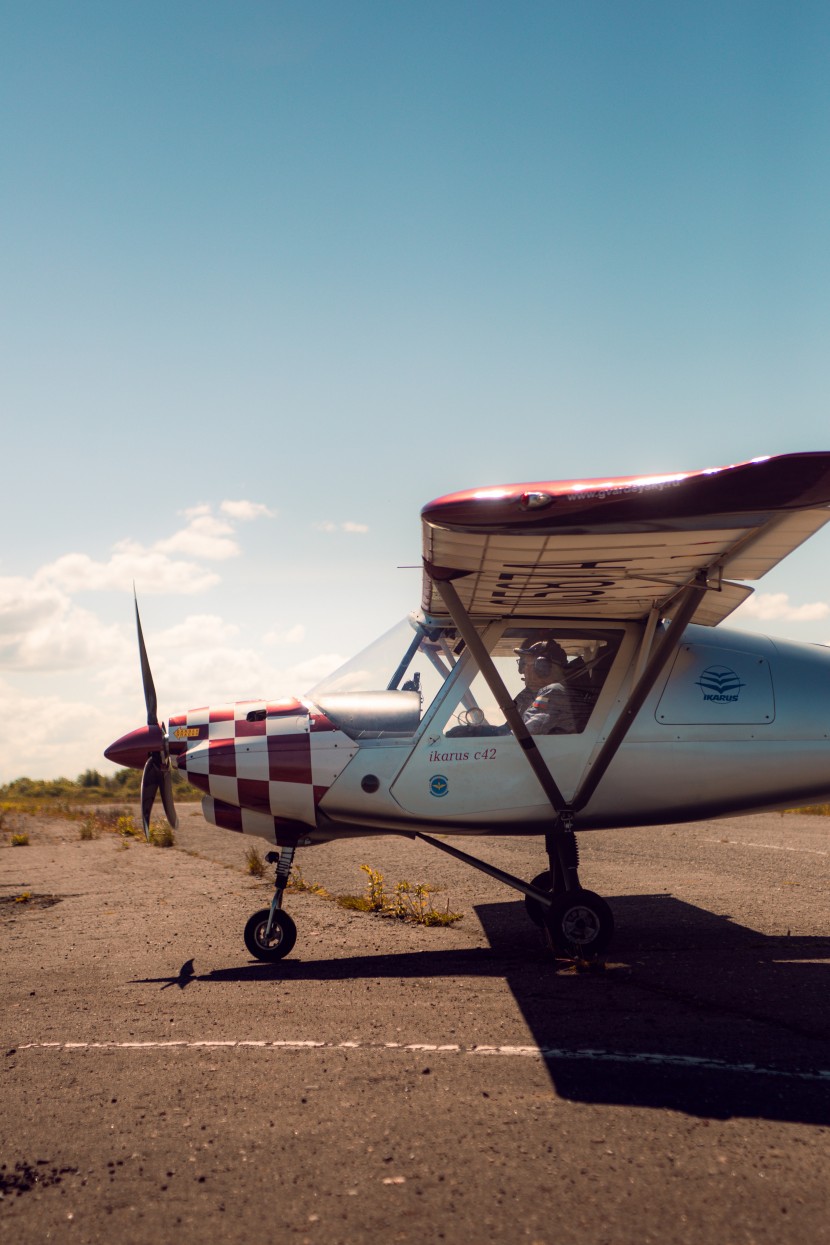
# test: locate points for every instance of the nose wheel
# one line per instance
(272, 946)
(271, 933)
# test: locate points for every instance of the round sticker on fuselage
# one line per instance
(438, 785)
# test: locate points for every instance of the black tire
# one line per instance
(282, 939)
(534, 909)
(580, 924)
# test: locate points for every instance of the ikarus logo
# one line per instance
(438, 785)
(720, 684)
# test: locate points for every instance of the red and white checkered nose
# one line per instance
(259, 763)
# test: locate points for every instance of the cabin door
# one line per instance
(468, 766)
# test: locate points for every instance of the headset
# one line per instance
(546, 655)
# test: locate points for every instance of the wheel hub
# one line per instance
(580, 925)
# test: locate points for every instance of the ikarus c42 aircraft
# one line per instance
(568, 671)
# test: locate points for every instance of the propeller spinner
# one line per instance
(157, 775)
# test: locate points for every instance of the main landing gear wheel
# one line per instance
(281, 940)
(580, 924)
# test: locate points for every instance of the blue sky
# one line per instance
(335, 260)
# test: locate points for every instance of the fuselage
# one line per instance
(735, 722)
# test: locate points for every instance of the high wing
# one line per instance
(621, 548)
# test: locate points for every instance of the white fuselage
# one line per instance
(735, 722)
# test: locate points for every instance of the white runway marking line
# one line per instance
(689, 1062)
(770, 847)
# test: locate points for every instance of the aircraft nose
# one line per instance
(133, 748)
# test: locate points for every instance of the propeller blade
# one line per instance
(157, 774)
(151, 780)
(146, 674)
(167, 798)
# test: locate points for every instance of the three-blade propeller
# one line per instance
(157, 775)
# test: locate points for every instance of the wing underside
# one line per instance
(620, 549)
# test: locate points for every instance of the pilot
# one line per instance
(544, 701)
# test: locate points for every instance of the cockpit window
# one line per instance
(553, 677)
(385, 689)
(554, 680)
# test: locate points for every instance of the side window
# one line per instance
(553, 678)
(478, 712)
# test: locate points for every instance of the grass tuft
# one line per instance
(254, 863)
(161, 835)
(298, 883)
(126, 827)
(20, 840)
(407, 902)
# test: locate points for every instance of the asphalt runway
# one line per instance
(390, 1082)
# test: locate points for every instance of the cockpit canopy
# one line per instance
(417, 670)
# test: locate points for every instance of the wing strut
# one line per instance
(687, 603)
(527, 743)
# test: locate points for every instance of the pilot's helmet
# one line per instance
(545, 654)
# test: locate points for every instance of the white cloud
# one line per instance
(202, 629)
(47, 735)
(25, 603)
(348, 525)
(151, 570)
(246, 510)
(42, 630)
(156, 568)
(71, 682)
(294, 635)
(306, 673)
(776, 605)
(195, 672)
(204, 537)
(72, 640)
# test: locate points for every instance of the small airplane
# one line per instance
(566, 672)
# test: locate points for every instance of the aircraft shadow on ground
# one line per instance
(693, 1012)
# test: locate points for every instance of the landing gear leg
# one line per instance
(577, 923)
(562, 875)
(271, 933)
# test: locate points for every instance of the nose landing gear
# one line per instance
(270, 934)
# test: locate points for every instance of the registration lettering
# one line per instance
(570, 583)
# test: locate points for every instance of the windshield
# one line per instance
(554, 681)
(409, 657)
